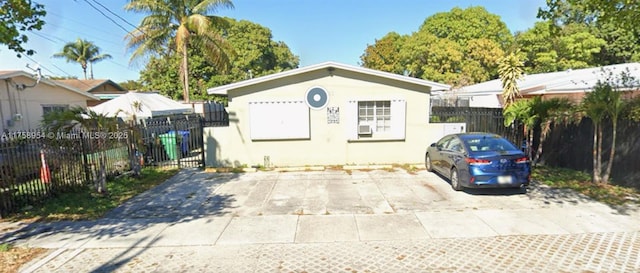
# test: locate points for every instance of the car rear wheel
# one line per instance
(455, 181)
(427, 163)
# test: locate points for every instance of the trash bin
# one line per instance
(169, 142)
(183, 141)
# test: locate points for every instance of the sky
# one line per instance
(315, 30)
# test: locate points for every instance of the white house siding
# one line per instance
(328, 144)
(28, 102)
(488, 101)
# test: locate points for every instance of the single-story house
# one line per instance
(25, 97)
(324, 114)
(103, 89)
(141, 104)
(571, 84)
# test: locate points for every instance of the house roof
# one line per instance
(151, 104)
(569, 81)
(224, 89)
(90, 85)
(8, 74)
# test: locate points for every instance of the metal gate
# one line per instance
(172, 141)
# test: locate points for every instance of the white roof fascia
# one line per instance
(223, 90)
(49, 82)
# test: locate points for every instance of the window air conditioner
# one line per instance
(364, 129)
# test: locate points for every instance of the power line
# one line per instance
(47, 69)
(125, 20)
(43, 36)
(106, 16)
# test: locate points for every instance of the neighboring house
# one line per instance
(103, 89)
(24, 98)
(571, 84)
(141, 104)
(324, 114)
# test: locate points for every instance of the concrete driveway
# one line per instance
(308, 221)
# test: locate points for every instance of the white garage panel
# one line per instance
(279, 120)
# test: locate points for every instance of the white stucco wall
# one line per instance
(328, 144)
(28, 102)
(485, 101)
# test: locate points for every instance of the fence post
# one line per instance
(178, 146)
(85, 161)
(202, 150)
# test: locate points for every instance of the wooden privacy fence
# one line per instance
(570, 146)
(488, 120)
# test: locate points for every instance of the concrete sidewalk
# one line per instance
(375, 221)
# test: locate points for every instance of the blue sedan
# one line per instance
(478, 160)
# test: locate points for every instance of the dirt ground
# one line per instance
(14, 258)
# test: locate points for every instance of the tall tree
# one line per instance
(16, 17)
(621, 13)
(174, 25)
(384, 54)
(464, 25)
(459, 47)
(622, 42)
(256, 54)
(82, 52)
(571, 46)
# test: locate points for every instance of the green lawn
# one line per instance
(581, 182)
(84, 203)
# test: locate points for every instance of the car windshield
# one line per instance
(482, 143)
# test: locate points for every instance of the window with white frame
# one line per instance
(376, 119)
(376, 114)
(48, 108)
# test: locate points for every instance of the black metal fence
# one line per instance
(215, 115)
(174, 141)
(479, 120)
(35, 165)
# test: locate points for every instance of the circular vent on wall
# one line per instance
(317, 98)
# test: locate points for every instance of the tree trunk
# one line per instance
(600, 153)
(596, 172)
(607, 171)
(101, 182)
(134, 158)
(545, 127)
(185, 71)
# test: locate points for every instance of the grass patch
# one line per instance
(408, 168)
(5, 247)
(581, 182)
(85, 204)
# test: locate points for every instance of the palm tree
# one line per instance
(615, 106)
(550, 112)
(510, 71)
(594, 105)
(83, 52)
(172, 26)
(83, 119)
(522, 110)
